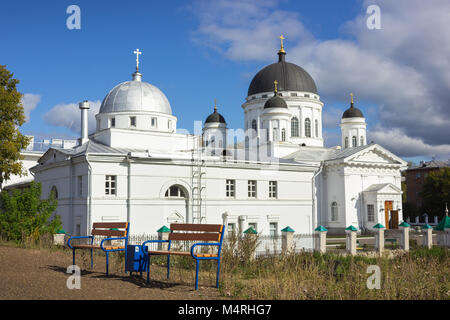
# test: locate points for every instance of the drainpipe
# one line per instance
(72, 218)
(128, 188)
(89, 195)
(313, 184)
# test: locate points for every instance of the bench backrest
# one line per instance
(196, 232)
(104, 229)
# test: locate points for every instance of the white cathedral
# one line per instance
(135, 167)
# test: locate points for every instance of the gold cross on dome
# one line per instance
(282, 38)
(137, 53)
(351, 97)
(276, 86)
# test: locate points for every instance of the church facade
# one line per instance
(135, 167)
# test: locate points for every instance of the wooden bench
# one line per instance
(189, 232)
(112, 230)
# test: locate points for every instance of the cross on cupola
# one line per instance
(137, 53)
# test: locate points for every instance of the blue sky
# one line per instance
(196, 51)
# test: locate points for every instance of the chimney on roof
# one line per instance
(84, 107)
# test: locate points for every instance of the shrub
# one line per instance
(25, 217)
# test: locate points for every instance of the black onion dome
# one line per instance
(352, 112)
(275, 102)
(215, 117)
(290, 78)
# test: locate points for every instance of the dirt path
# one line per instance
(41, 274)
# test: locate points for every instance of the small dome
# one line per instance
(135, 95)
(352, 112)
(275, 102)
(291, 77)
(215, 116)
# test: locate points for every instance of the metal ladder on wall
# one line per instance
(198, 184)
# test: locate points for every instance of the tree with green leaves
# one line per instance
(12, 116)
(24, 216)
(436, 192)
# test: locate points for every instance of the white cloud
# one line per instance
(68, 115)
(403, 68)
(29, 102)
(395, 139)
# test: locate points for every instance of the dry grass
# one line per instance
(420, 274)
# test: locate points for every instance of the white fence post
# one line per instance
(405, 235)
(428, 238)
(379, 238)
(351, 239)
(320, 244)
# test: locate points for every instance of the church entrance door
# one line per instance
(387, 214)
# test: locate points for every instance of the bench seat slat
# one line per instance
(109, 233)
(195, 227)
(94, 246)
(177, 253)
(194, 236)
(107, 225)
(180, 253)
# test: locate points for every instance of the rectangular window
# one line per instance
(293, 94)
(252, 188)
(169, 124)
(154, 122)
(112, 122)
(273, 228)
(370, 213)
(253, 225)
(80, 186)
(110, 185)
(273, 190)
(230, 188)
(133, 121)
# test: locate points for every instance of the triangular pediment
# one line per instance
(383, 188)
(375, 155)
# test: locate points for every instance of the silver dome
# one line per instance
(135, 95)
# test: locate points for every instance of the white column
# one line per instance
(351, 241)
(405, 235)
(320, 244)
(428, 236)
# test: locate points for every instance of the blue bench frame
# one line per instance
(192, 254)
(92, 247)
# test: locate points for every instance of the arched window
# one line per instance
(346, 142)
(361, 142)
(274, 134)
(254, 126)
(294, 127)
(283, 134)
(54, 191)
(175, 192)
(316, 126)
(334, 211)
(353, 141)
(308, 128)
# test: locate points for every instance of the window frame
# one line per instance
(273, 189)
(295, 132)
(252, 189)
(334, 213)
(109, 189)
(370, 213)
(230, 188)
(308, 128)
